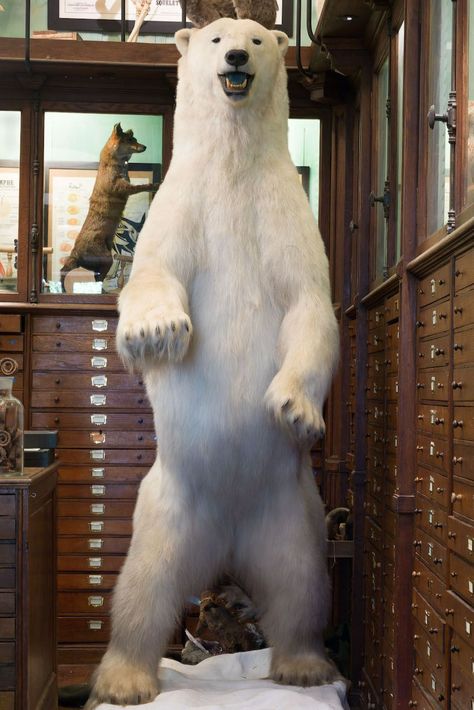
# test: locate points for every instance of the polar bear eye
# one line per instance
(216, 40)
(257, 41)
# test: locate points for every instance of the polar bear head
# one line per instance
(231, 63)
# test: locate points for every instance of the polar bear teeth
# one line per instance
(231, 85)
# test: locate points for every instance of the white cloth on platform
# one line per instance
(236, 681)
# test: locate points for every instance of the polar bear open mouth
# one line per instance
(236, 83)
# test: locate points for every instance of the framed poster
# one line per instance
(164, 17)
(68, 187)
(9, 211)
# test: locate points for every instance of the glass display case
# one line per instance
(10, 130)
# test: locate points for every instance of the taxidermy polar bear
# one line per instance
(228, 313)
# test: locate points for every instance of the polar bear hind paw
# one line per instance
(304, 669)
(296, 413)
(121, 683)
(155, 337)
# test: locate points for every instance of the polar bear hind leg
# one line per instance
(283, 562)
(174, 552)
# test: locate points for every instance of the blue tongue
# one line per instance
(236, 77)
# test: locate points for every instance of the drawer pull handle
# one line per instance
(95, 601)
(58, 344)
(420, 386)
(57, 400)
(455, 497)
(95, 579)
(456, 385)
(413, 704)
(458, 423)
(416, 543)
(418, 671)
(96, 526)
(442, 316)
(98, 508)
(58, 325)
(420, 324)
(457, 346)
(418, 479)
(99, 325)
(439, 455)
(99, 344)
(438, 525)
(98, 419)
(438, 561)
(420, 417)
(433, 631)
(416, 574)
(57, 381)
(95, 543)
(454, 575)
(97, 472)
(95, 625)
(419, 448)
(458, 309)
(439, 420)
(454, 649)
(439, 490)
(97, 490)
(457, 460)
(451, 535)
(95, 562)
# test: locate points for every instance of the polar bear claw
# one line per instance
(294, 411)
(156, 336)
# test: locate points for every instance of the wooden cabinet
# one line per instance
(27, 591)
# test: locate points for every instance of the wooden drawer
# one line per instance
(10, 323)
(432, 553)
(375, 388)
(6, 360)
(391, 387)
(463, 499)
(74, 324)
(42, 399)
(100, 457)
(429, 620)
(7, 553)
(7, 627)
(433, 385)
(430, 664)
(430, 586)
(433, 352)
(461, 538)
(461, 575)
(11, 343)
(434, 319)
(88, 381)
(376, 414)
(463, 309)
(106, 509)
(84, 603)
(7, 652)
(373, 533)
(93, 526)
(100, 362)
(434, 286)
(432, 519)
(462, 688)
(101, 474)
(99, 438)
(7, 676)
(374, 508)
(376, 340)
(464, 270)
(463, 423)
(376, 438)
(376, 316)
(463, 384)
(432, 451)
(463, 459)
(98, 490)
(433, 419)
(7, 603)
(420, 700)
(7, 505)
(460, 616)
(102, 421)
(463, 347)
(93, 545)
(7, 528)
(7, 577)
(93, 344)
(83, 630)
(433, 486)
(392, 307)
(462, 656)
(91, 582)
(90, 563)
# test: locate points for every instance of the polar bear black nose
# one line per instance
(237, 57)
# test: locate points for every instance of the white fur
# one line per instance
(228, 312)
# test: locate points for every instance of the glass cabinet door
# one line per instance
(100, 174)
(10, 128)
(439, 85)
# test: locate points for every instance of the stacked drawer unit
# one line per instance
(106, 444)
(380, 525)
(11, 351)
(459, 598)
(443, 575)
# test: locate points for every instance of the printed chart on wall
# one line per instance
(164, 16)
(9, 207)
(68, 191)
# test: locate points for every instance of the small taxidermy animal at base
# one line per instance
(112, 188)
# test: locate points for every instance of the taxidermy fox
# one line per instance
(112, 188)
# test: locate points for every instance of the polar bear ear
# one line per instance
(282, 41)
(182, 38)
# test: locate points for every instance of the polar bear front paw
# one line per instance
(154, 336)
(119, 682)
(294, 411)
